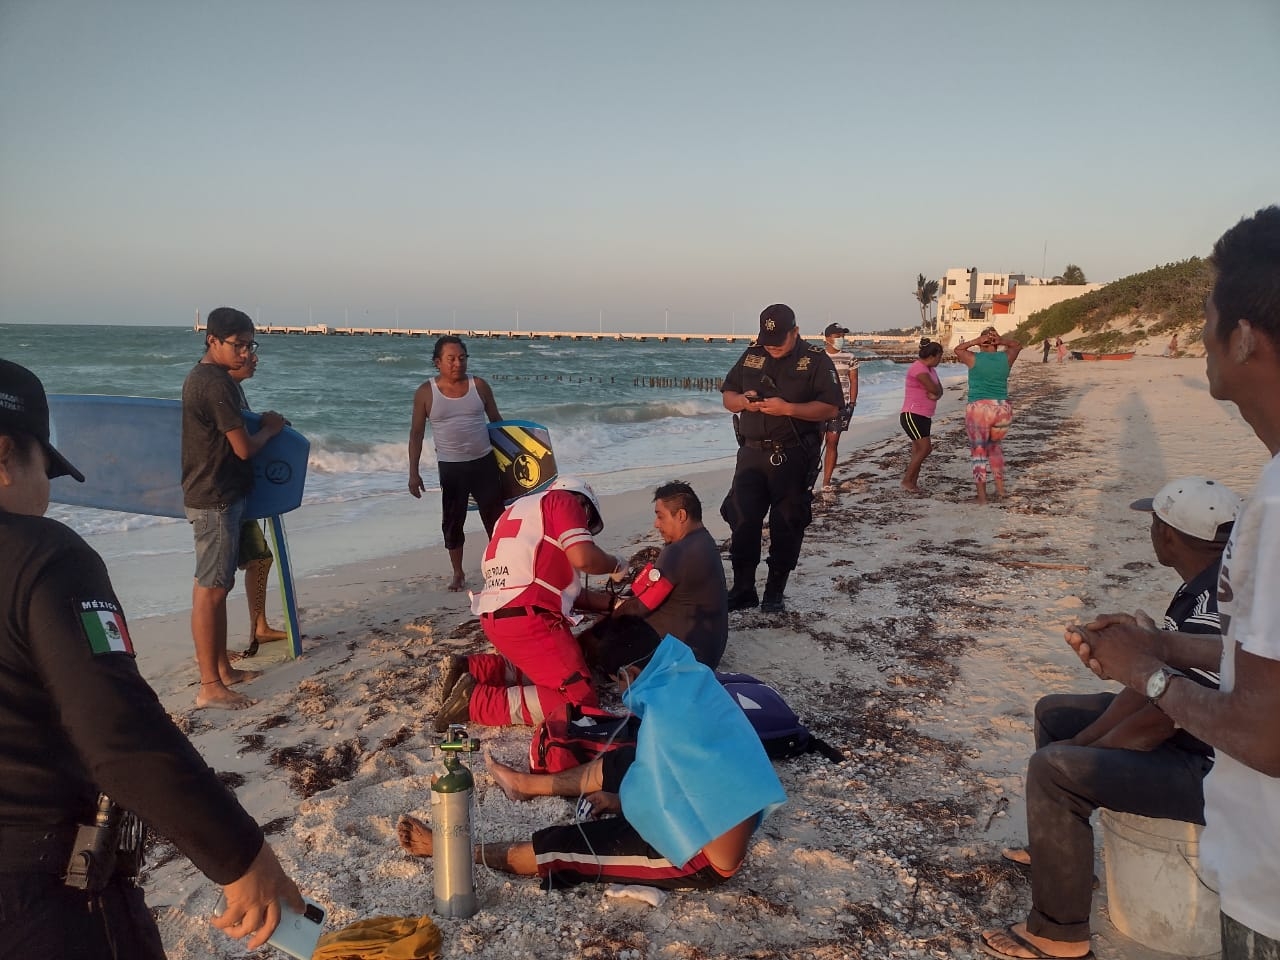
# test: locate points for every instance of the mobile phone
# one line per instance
(297, 933)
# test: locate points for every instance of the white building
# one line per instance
(969, 301)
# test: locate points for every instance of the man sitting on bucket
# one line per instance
(690, 792)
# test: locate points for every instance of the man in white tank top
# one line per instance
(460, 407)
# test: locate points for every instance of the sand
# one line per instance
(919, 633)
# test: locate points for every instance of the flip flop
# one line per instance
(1036, 953)
(1018, 855)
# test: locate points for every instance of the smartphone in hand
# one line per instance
(297, 933)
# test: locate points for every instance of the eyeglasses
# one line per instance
(241, 346)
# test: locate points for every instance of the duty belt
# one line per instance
(776, 449)
(775, 445)
(25, 849)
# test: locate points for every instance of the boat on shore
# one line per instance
(1081, 355)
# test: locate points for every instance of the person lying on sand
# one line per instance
(687, 797)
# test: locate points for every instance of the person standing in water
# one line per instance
(460, 407)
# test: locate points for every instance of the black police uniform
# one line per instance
(778, 459)
(76, 719)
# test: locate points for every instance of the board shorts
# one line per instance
(841, 423)
(459, 481)
(217, 536)
(253, 544)
(914, 425)
(611, 851)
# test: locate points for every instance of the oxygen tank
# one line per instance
(451, 828)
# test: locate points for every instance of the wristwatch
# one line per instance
(1158, 683)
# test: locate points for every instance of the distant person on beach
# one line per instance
(460, 407)
(1062, 350)
(1116, 750)
(1241, 720)
(683, 592)
(83, 735)
(1172, 349)
(675, 811)
(920, 401)
(540, 545)
(255, 557)
(846, 365)
(988, 414)
(216, 478)
(781, 391)
(1045, 359)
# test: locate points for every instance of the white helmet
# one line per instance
(595, 523)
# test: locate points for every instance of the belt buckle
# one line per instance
(778, 457)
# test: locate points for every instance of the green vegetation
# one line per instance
(926, 293)
(1073, 276)
(1153, 303)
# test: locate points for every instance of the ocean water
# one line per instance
(352, 397)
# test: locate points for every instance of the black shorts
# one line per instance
(915, 426)
(253, 544)
(461, 480)
(841, 423)
(611, 851)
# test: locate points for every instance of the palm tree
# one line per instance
(926, 293)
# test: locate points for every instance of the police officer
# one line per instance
(782, 390)
(85, 744)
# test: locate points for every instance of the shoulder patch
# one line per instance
(753, 361)
(104, 628)
(816, 347)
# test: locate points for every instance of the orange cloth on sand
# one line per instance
(382, 938)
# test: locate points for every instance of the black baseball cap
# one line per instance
(24, 408)
(776, 321)
(835, 330)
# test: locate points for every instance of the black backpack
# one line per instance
(777, 725)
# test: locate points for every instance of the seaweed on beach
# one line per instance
(313, 770)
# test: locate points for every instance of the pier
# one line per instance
(321, 329)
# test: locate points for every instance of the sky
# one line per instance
(628, 166)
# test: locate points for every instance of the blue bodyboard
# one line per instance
(130, 452)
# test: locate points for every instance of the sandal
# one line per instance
(984, 944)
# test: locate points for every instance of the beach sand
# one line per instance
(919, 634)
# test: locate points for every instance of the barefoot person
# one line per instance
(255, 556)
(919, 403)
(459, 407)
(216, 478)
(83, 735)
(681, 805)
(988, 414)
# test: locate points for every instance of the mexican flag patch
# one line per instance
(105, 628)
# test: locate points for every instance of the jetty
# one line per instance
(324, 330)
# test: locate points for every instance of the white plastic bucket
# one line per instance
(1155, 891)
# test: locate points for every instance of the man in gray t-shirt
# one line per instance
(216, 478)
(683, 592)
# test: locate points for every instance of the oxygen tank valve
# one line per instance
(451, 794)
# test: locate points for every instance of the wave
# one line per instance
(624, 412)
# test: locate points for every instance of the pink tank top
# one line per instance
(916, 400)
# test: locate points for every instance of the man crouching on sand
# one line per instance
(690, 793)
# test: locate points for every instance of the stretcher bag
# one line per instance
(573, 735)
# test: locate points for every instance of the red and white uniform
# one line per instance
(525, 563)
(526, 610)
